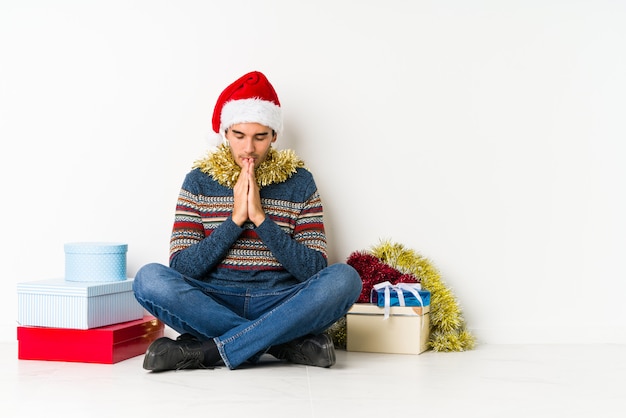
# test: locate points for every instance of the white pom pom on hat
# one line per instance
(250, 99)
(214, 140)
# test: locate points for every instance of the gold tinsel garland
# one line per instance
(448, 328)
(276, 168)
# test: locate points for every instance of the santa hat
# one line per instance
(249, 99)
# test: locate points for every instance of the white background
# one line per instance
(485, 135)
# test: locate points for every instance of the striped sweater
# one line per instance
(288, 247)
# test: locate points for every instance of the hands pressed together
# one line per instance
(247, 197)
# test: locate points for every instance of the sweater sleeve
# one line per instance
(193, 252)
(304, 253)
(199, 258)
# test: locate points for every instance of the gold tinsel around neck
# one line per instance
(277, 167)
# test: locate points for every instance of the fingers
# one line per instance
(247, 196)
(240, 197)
(255, 209)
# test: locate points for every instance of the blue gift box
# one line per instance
(59, 303)
(378, 297)
(95, 261)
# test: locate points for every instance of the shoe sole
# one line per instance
(332, 358)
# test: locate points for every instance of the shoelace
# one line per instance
(193, 359)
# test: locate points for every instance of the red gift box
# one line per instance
(109, 344)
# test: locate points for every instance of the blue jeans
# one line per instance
(244, 323)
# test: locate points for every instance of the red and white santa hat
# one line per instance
(249, 99)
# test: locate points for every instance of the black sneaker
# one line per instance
(312, 350)
(167, 354)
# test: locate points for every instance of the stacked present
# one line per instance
(90, 316)
(396, 320)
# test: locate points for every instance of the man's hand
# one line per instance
(247, 197)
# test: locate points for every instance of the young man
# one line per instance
(248, 271)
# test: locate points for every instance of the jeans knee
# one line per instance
(145, 277)
(347, 280)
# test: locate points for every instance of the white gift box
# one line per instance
(59, 303)
(95, 261)
(405, 331)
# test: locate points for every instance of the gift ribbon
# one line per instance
(399, 288)
(411, 288)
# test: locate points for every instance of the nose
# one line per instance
(249, 145)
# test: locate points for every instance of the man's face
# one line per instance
(250, 140)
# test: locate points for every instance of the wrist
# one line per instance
(238, 221)
(258, 220)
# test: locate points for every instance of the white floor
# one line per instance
(490, 381)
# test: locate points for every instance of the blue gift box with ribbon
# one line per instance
(378, 298)
(386, 295)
